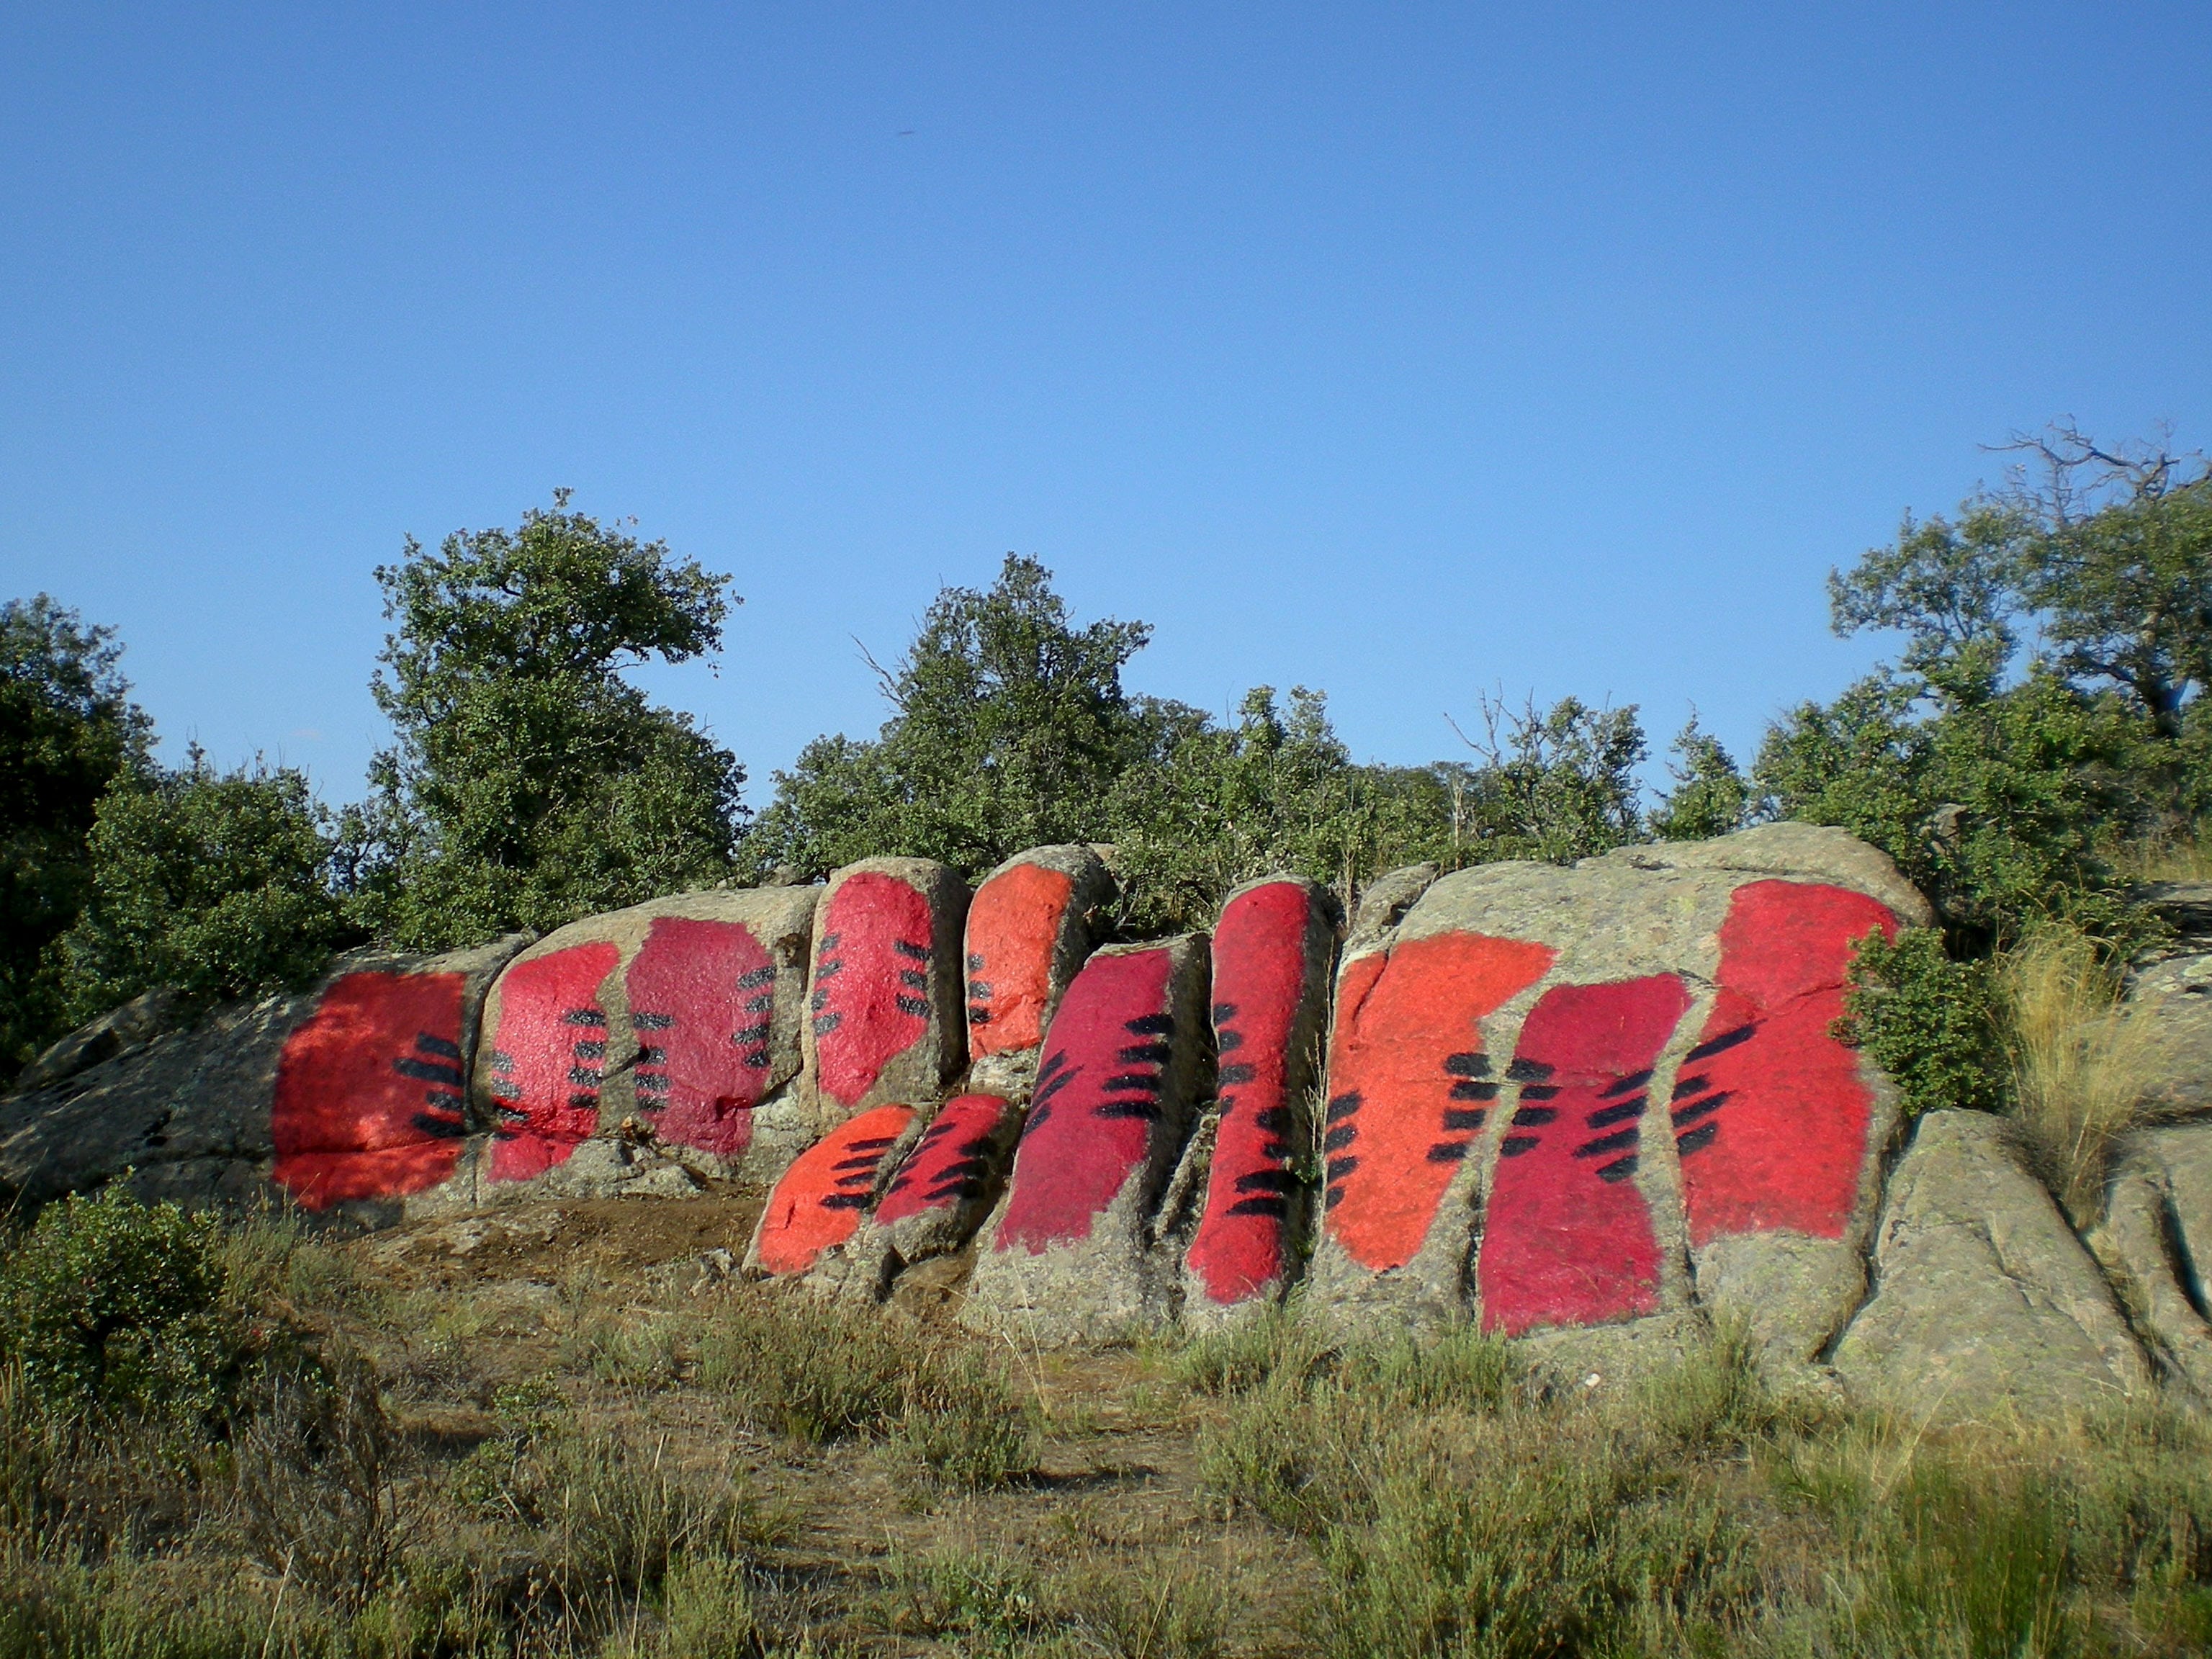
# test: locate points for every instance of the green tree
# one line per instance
(68, 729)
(1557, 785)
(216, 885)
(530, 783)
(1010, 726)
(1710, 797)
(2107, 553)
(1275, 794)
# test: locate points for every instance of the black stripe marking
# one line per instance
(1700, 1136)
(1618, 1140)
(1726, 1039)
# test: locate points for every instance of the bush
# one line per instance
(806, 1367)
(1935, 1025)
(116, 1303)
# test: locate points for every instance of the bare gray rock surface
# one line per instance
(2156, 1239)
(1985, 1304)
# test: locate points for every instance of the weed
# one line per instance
(964, 1427)
(1251, 1352)
(1973, 1562)
(2081, 1065)
(1179, 1613)
(809, 1368)
(1463, 1369)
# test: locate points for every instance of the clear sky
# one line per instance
(1407, 351)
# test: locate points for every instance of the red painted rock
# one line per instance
(1273, 949)
(1411, 1084)
(1032, 922)
(1066, 1254)
(1568, 1238)
(938, 1196)
(817, 1204)
(1753, 1196)
(1769, 1111)
(345, 1094)
(886, 1018)
(683, 1014)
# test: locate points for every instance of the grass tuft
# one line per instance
(2081, 1064)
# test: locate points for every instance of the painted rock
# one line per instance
(817, 1202)
(1568, 1238)
(1703, 980)
(1274, 948)
(938, 1196)
(1032, 922)
(885, 1020)
(1067, 1255)
(1413, 1081)
(347, 1095)
(684, 1014)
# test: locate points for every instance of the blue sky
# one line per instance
(1405, 351)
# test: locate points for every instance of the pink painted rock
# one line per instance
(885, 1017)
(683, 1014)
(1501, 1057)
(937, 1197)
(1066, 1255)
(1274, 948)
(817, 1204)
(1031, 924)
(347, 1095)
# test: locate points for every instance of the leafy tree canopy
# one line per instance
(2107, 553)
(216, 885)
(68, 729)
(1009, 728)
(530, 784)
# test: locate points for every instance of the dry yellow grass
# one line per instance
(2081, 1064)
(2189, 859)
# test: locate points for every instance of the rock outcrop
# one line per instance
(1491, 1147)
(1068, 1255)
(1597, 1110)
(1985, 1304)
(886, 1016)
(350, 1094)
(1032, 924)
(683, 1015)
(1273, 947)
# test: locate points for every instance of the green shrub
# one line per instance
(218, 884)
(807, 1367)
(1974, 1563)
(1248, 1353)
(1935, 1025)
(116, 1303)
(1464, 1370)
(1527, 1545)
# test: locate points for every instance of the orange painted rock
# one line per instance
(1273, 949)
(883, 1004)
(1031, 924)
(1413, 1082)
(817, 1204)
(936, 1198)
(1066, 1254)
(1615, 1086)
(683, 1014)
